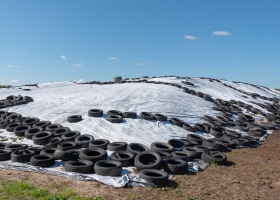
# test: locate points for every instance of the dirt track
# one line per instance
(253, 174)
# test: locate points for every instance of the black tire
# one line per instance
(191, 143)
(30, 121)
(53, 142)
(256, 132)
(147, 160)
(183, 155)
(93, 154)
(200, 127)
(160, 146)
(214, 156)
(175, 166)
(84, 140)
(42, 124)
(271, 117)
(2, 113)
(21, 102)
(4, 124)
(48, 151)
(114, 118)
(125, 157)
(114, 112)
(36, 150)
(245, 142)
(11, 127)
(136, 148)
(132, 115)
(70, 135)
(216, 146)
(177, 122)
(60, 131)
(108, 168)
(42, 137)
(20, 130)
(32, 131)
(95, 113)
(52, 127)
(217, 132)
(81, 166)
(187, 127)
(11, 97)
(74, 118)
(207, 127)
(202, 148)
(100, 143)
(160, 117)
(191, 151)
(42, 160)
(196, 138)
(208, 118)
(117, 146)
(225, 142)
(164, 154)
(72, 154)
(147, 116)
(243, 128)
(2, 145)
(234, 134)
(14, 116)
(28, 99)
(14, 147)
(22, 155)
(67, 145)
(20, 120)
(5, 154)
(177, 144)
(157, 177)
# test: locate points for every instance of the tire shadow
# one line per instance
(228, 163)
(172, 184)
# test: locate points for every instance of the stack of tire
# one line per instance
(117, 79)
(13, 100)
(84, 154)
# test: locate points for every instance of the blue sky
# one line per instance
(60, 40)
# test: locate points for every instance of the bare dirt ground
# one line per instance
(253, 174)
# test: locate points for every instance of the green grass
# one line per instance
(24, 191)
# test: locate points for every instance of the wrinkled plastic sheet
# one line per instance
(128, 178)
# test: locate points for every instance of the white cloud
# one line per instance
(140, 64)
(190, 37)
(13, 81)
(114, 58)
(77, 65)
(63, 57)
(12, 66)
(221, 33)
(146, 64)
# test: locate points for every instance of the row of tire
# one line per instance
(256, 86)
(185, 89)
(215, 126)
(116, 116)
(219, 141)
(254, 95)
(86, 155)
(13, 100)
(208, 97)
